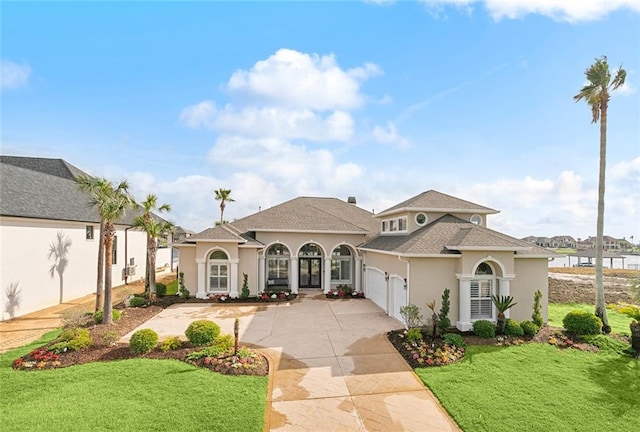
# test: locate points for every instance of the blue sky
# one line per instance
(380, 100)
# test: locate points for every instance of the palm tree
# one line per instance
(58, 251)
(224, 196)
(596, 93)
(112, 202)
(154, 229)
(150, 205)
(502, 304)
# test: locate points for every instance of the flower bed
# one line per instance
(245, 362)
(427, 352)
(334, 294)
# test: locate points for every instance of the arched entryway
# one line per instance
(310, 266)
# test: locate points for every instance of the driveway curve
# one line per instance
(332, 368)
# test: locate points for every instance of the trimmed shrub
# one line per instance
(414, 335)
(582, 323)
(99, 315)
(171, 343)
(607, 344)
(161, 289)
(411, 315)
(143, 341)
(202, 332)
(513, 328)
(484, 329)
(137, 302)
(72, 339)
(225, 341)
(444, 322)
(530, 328)
(454, 339)
(110, 337)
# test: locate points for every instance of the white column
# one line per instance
(358, 275)
(202, 276)
(261, 275)
(233, 278)
(327, 275)
(505, 289)
(464, 303)
(293, 275)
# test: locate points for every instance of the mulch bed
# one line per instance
(103, 349)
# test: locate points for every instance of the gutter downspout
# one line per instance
(407, 279)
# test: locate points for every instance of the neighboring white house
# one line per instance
(407, 254)
(49, 238)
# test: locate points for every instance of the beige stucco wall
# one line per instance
(470, 259)
(248, 264)
(24, 249)
(429, 277)
(387, 263)
(531, 275)
(187, 265)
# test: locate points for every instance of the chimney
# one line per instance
(351, 200)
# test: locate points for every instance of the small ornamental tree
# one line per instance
(444, 323)
(536, 316)
(411, 315)
(245, 286)
(502, 304)
(434, 317)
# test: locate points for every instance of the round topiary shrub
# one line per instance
(202, 332)
(137, 302)
(530, 328)
(161, 289)
(99, 315)
(582, 323)
(484, 329)
(143, 341)
(513, 328)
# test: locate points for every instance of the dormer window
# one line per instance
(476, 219)
(395, 225)
(421, 219)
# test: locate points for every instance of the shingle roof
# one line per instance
(219, 232)
(310, 214)
(46, 189)
(448, 235)
(435, 201)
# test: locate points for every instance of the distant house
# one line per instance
(563, 242)
(544, 242)
(409, 253)
(50, 237)
(608, 243)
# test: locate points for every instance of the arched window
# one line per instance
(341, 264)
(218, 264)
(310, 249)
(482, 287)
(277, 257)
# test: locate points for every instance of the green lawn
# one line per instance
(172, 287)
(537, 387)
(619, 322)
(129, 395)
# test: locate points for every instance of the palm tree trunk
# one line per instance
(110, 231)
(100, 280)
(151, 253)
(222, 206)
(147, 277)
(601, 309)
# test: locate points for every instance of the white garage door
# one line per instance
(377, 288)
(399, 297)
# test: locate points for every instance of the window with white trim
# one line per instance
(395, 225)
(218, 265)
(278, 262)
(341, 263)
(481, 289)
(476, 219)
(89, 232)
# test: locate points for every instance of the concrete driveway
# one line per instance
(332, 366)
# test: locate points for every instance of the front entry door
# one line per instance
(310, 272)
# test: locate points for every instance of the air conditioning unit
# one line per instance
(130, 270)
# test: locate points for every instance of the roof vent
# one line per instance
(351, 200)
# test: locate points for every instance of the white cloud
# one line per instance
(296, 80)
(627, 170)
(13, 75)
(389, 136)
(270, 122)
(559, 10)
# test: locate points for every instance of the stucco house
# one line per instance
(49, 237)
(409, 253)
